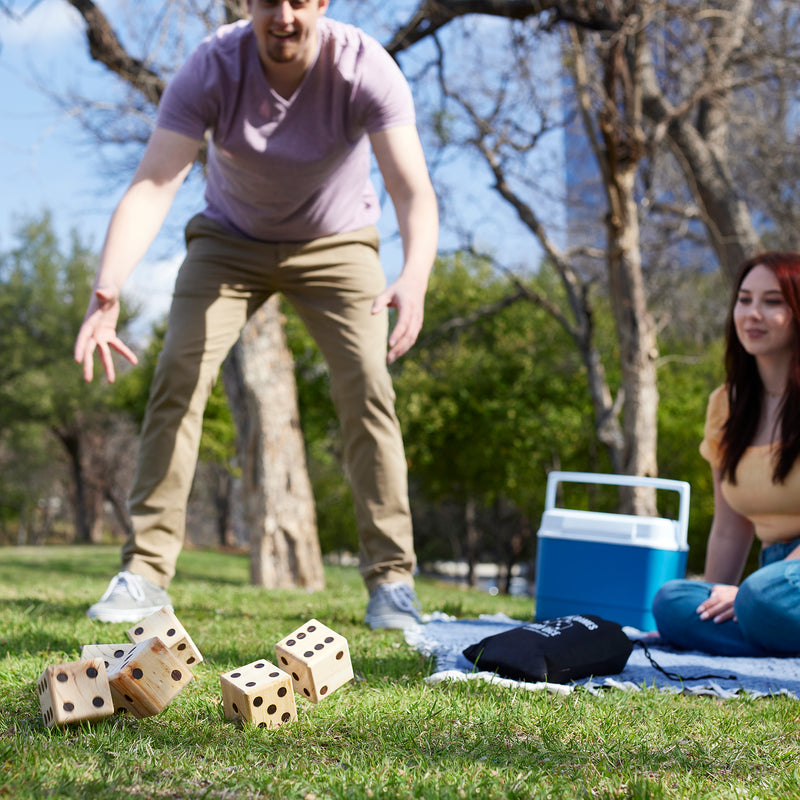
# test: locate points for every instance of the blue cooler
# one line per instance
(611, 565)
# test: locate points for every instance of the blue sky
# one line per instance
(44, 159)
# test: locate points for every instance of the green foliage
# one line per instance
(43, 297)
(490, 407)
(44, 402)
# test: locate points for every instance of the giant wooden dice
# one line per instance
(73, 692)
(317, 658)
(110, 653)
(147, 679)
(164, 624)
(259, 694)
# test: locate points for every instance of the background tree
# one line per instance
(654, 86)
(44, 295)
(664, 96)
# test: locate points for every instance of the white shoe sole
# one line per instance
(392, 622)
(123, 614)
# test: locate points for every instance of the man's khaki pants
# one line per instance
(331, 282)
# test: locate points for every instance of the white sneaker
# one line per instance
(129, 598)
(392, 605)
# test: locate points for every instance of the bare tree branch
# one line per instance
(106, 48)
(432, 15)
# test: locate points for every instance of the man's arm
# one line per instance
(133, 227)
(405, 175)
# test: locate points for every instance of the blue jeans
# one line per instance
(767, 608)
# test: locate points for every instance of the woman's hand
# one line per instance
(719, 605)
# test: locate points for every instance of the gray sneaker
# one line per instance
(129, 598)
(392, 605)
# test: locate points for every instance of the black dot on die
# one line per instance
(119, 653)
(190, 660)
(98, 702)
(340, 655)
(171, 632)
(283, 660)
(328, 639)
(177, 675)
(291, 643)
(250, 683)
(260, 665)
(308, 653)
(295, 676)
(306, 693)
(301, 636)
(274, 674)
(69, 706)
(91, 672)
(258, 701)
(282, 691)
(129, 698)
(311, 628)
(181, 647)
(235, 707)
(139, 631)
(271, 709)
(323, 690)
(62, 677)
(286, 717)
(319, 646)
(236, 674)
(137, 673)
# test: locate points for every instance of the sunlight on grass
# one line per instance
(385, 734)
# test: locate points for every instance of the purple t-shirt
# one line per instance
(296, 169)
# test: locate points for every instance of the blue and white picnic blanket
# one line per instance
(444, 638)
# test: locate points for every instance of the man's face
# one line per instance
(286, 30)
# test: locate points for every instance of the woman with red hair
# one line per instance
(752, 441)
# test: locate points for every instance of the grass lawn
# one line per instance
(387, 734)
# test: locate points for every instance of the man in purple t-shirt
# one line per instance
(292, 103)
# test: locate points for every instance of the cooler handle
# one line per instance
(681, 487)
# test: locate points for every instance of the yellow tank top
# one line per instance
(773, 508)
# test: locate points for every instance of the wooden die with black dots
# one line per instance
(147, 679)
(317, 658)
(74, 692)
(164, 624)
(259, 694)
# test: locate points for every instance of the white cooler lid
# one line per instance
(625, 529)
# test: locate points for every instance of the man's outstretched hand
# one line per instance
(99, 332)
(408, 299)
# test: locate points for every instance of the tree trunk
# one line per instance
(636, 333)
(279, 505)
(472, 539)
(83, 521)
(618, 153)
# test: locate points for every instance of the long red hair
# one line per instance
(745, 390)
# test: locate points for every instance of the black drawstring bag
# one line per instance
(554, 650)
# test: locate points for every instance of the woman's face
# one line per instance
(762, 317)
